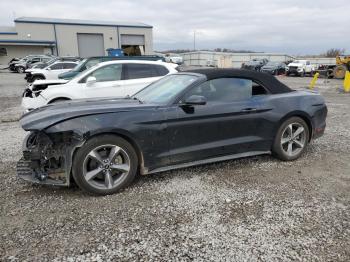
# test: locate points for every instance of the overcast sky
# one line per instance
(295, 27)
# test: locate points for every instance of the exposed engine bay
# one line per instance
(47, 158)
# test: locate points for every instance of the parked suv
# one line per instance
(23, 64)
(51, 71)
(30, 71)
(300, 68)
(107, 79)
(91, 61)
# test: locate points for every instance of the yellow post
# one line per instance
(314, 80)
(347, 82)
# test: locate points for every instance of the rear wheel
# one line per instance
(20, 69)
(291, 139)
(105, 164)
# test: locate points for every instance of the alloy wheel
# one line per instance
(293, 139)
(106, 166)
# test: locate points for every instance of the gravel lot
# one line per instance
(256, 209)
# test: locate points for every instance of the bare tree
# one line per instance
(333, 52)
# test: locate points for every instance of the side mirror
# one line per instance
(195, 100)
(48, 69)
(91, 80)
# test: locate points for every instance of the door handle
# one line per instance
(247, 110)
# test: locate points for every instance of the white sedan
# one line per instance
(118, 78)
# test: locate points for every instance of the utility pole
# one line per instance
(194, 40)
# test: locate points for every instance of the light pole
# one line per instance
(194, 40)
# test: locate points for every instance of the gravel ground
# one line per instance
(256, 209)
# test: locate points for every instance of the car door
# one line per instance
(54, 70)
(226, 124)
(139, 75)
(108, 83)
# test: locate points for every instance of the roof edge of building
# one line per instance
(76, 22)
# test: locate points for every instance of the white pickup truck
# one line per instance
(300, 68)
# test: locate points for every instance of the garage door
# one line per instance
(132, 39)
(90, 45)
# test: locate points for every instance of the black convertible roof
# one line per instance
(267, 80)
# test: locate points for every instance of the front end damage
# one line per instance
(47, 158)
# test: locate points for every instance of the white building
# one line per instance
(70, 37)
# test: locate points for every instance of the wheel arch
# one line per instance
(128, 137)
(302, 115)
(58, 98)
(39, 74)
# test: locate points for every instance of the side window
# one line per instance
(57, 66)
(135, 71)
(161, 70)
(35, 60)
(68, 65)
(107, 73)
(224, 90)
(258, 89)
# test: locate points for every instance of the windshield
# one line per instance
(167, 88)
(81, 64)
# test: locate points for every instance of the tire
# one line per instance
(302, 74)
(20, 69)
(283, 139)
(339, 71)
(106, 176)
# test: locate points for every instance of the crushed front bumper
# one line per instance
(47, 158)
(26, 172)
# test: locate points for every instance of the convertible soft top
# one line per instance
(267, 80)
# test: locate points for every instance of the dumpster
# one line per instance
(115, 52)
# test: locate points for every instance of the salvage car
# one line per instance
(21, 65)
(51, 71)
(184, 119)
(274, 68)
(91, 61)
(107, 79)
(255, 64)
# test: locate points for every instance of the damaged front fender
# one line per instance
(47, 158)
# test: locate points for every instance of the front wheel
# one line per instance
(291, 139)
(105, 164)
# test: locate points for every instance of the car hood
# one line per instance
(49, 82)
(46, 116)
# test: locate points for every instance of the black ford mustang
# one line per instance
(185, 119)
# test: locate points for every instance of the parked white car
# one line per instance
(118, 78)
(176, 59)
(51, 71)
(300, 67)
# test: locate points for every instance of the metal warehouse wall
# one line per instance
(66, 37)
(21, 51)
(206, 58)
